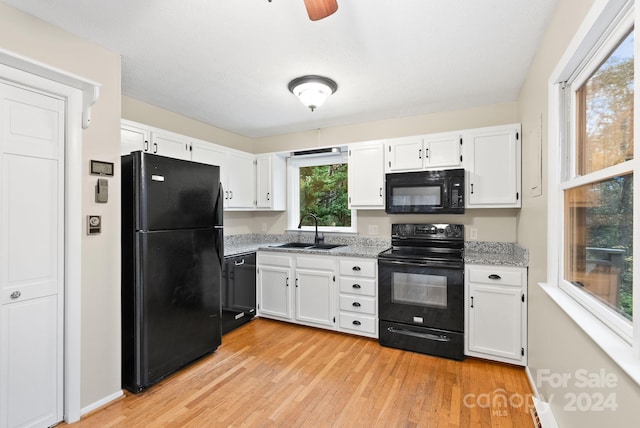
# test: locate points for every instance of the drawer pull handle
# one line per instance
(356, 268)
(356, 304)
(356, 322)
(357, 286)
(15, 295)
(494, 276)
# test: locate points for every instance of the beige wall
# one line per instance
(37, 40)
(556, 344)
(496, 114)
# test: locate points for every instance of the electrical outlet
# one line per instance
(473, 234)
(373, 229)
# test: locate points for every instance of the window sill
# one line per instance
(612, 344)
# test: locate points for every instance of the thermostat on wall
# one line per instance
(101, 168)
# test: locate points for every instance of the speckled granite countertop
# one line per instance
(495, 253)
(476, 252)
(354, 246)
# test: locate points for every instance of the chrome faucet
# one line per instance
(317, 240)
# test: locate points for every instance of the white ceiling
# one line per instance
(228, 63)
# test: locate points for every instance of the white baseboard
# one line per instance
(532, 383)
(543, 412)
(102, 402)
(545, 418)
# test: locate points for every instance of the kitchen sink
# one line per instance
(325, 246)
(294, 245)
(308, 246)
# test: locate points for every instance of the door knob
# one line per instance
(15, 294)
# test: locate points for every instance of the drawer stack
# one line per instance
(357, 298)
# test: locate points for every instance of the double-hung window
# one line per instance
(592, 174)
(318, 186)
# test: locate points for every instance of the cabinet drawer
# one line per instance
(359, 286)
(273, 259)
(356, 322)
(498, 276)
(361, 304)
(358, 267)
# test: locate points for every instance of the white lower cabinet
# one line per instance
(297, 288)
(496, 313)
(328, 292)
(275, 273)
(314, 291)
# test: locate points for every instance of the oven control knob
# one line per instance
(449, 230)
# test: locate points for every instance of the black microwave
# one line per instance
(425, 192)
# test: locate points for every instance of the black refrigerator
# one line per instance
(172, 255)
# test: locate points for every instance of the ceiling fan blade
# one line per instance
(318, 9)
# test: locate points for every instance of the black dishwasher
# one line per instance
(238, 290)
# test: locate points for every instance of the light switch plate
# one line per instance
(473, 234)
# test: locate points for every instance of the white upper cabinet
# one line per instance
(271, 182)
(366, 175)
(133, 138)
(241, 180)
(443, 150)
(204, 152)
(170, 145)
(493, 163)
(423, 152)
(237, 172)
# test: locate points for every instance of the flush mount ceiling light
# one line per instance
(313, 91)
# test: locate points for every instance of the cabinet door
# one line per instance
(274, 291)
(366, 176)
(241, 180)
(443, 151)
(133, 138)
(405, 154)
(271, 182)
(170, 145)
(212, 155)
(495, 321)
(263, 182)
(314, 297)
(494, 168)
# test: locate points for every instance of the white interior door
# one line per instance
(32, 254)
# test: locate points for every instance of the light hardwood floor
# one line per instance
(273, 374)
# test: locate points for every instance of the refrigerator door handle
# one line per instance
(218, 224)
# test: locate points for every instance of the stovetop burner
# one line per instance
(426, 242)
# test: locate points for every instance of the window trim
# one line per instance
(604, 26)
(293, 180)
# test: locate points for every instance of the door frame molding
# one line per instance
(79, 95)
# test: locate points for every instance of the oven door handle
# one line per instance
(440, 264)
(429, 336)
